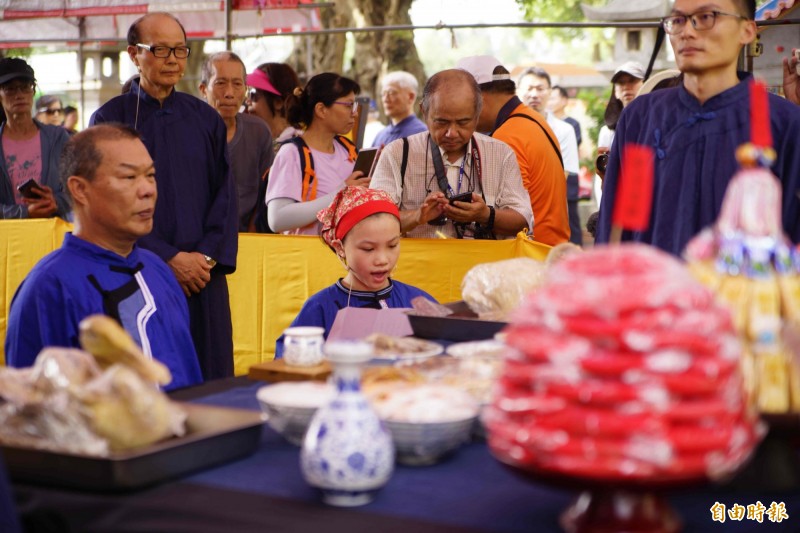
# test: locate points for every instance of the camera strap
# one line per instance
(441, 173)
(438, 168)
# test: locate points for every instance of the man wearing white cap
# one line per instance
(694, 129)
(223, 86)
(535, 88)
(533, 141)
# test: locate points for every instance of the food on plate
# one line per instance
(91, 403)
(379, 375)
(105, 339)
(422, 403)
(634, 376)
(388, 345)
(492, 290)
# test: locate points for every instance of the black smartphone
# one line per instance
(365, 161)
(463, 197)
(27, 189)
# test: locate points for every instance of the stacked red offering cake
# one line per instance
(622, 367)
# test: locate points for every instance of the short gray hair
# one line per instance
(208, 65)
(402, 79)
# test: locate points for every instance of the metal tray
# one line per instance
(462, 325)
(214, 435)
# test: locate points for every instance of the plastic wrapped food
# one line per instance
(753, 268)
(492, 290)
(68, 402)
(634, 376)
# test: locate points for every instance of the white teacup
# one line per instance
(302, 346)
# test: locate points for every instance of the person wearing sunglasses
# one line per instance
(29, 150)
(270, 85)
(695, 128)
(195, 224)
(49, 110)
(310, 169)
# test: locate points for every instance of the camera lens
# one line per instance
(601, 163)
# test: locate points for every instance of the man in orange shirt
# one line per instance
(534, 143)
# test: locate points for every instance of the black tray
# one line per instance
(462, 325)
(214, 435)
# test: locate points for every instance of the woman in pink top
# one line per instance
(310, 169)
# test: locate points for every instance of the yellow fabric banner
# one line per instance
(275, 274)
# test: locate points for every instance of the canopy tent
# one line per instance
(25, 22)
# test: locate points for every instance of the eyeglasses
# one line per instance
(253, 95)
(162, 52)
(23, 88)
(352, 105)
(702, 20)
(50, 111)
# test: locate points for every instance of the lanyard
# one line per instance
(441, 174)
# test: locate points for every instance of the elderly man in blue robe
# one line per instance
(196, 226)
(695, 128)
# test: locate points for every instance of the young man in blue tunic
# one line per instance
(195, 227)
(99, 268)
(362, 226)
(695, 128)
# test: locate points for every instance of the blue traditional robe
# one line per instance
(82, 279)
(196, 209)
(694, 148)
(320, 310)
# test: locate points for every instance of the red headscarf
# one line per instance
(350, 206)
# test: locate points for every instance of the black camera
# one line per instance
(601, 163)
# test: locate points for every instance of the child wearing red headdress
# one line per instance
(362, 226)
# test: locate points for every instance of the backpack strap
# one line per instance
(352, 151)
(549, 138)
(404, 164)
(309, 175)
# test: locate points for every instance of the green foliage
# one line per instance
(553, 10)
(565, 11)
(24, 53)
(595, 103)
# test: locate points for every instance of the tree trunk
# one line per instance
(376, 53)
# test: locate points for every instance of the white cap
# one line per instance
(655, 79)
(634, 68)
(481, 68)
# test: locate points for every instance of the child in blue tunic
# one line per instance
(362, 226)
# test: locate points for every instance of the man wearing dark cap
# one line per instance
(696, 127)
(29, 150)
(195, 226)
(533, 141)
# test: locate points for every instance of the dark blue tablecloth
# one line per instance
(469, 489)
(469, 492)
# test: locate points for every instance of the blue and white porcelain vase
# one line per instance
(347, 452)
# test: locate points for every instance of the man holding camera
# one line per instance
(452, 181)
(696, 127)
(533, 142)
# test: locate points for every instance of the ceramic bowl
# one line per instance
(289, 407)
(426, 443)
(427, 421)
